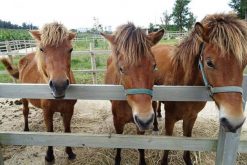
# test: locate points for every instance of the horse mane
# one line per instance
(225, 31)
(53, 34)
(132, 43)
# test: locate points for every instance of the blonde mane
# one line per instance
(132, 43)
(53, 34)
(225, 31)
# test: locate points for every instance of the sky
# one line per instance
(80, 13)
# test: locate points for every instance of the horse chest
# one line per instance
(55, 105)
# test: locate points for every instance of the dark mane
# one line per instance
(132, 43)
(225, 31)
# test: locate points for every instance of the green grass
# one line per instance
(77, 63)
(85, 45)
(169, 42)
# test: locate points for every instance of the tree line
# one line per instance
(182, 19)
(9, 25)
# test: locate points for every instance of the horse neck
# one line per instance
(182, 76)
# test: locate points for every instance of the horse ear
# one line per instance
(72, 35)
(200, 31)
(35, 34)
(155, 37)
(109, 37)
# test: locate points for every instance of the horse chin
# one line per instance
(58, 95)
(142, 129)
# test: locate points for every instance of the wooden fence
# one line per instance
(226, 146)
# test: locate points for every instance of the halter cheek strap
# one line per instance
(214, 90)
(139, 91)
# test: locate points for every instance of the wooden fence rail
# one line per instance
(227, 145)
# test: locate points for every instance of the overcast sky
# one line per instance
(80, 13)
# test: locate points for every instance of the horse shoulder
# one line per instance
(163, 57)
(28, 69)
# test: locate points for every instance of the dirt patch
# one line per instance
(95, 117)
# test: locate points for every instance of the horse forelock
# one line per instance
(41, 64)
(225, 31)
(53, 34)
(229, 34)
(131, 44)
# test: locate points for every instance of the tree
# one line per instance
(240, 6)
(24, 25)
(181, 15)
(151, 27)
(191, 21)
(165, 19)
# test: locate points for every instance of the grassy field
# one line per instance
(169, 42)
(77, 63)
(81, 62)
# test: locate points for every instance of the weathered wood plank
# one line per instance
(112, 141)
(1, 156)
(102, 92)
(86, 70)
(105, 92)
(93, 63)
(74, 53)
(82, 71)
(242, 147)
(107, 141)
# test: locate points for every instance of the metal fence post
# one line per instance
(93, 63)
(228, 142)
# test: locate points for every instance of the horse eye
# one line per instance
(41, 49)
(121, 70)
(155, 67)
(210, 63)
(70, 50)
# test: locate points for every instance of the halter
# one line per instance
(213, 90)
(139, 91)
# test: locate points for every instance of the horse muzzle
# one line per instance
(144, 123)
(229, 126)
(58, 88)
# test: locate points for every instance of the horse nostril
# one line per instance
(50, 84)
(223, 120)
(136, 119)
(67, 81)
(144, 123)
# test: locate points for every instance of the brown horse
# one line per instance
(132, 65)
(220, 43)
(51, 65)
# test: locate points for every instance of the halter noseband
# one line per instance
(139, 91)
(213, 90)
